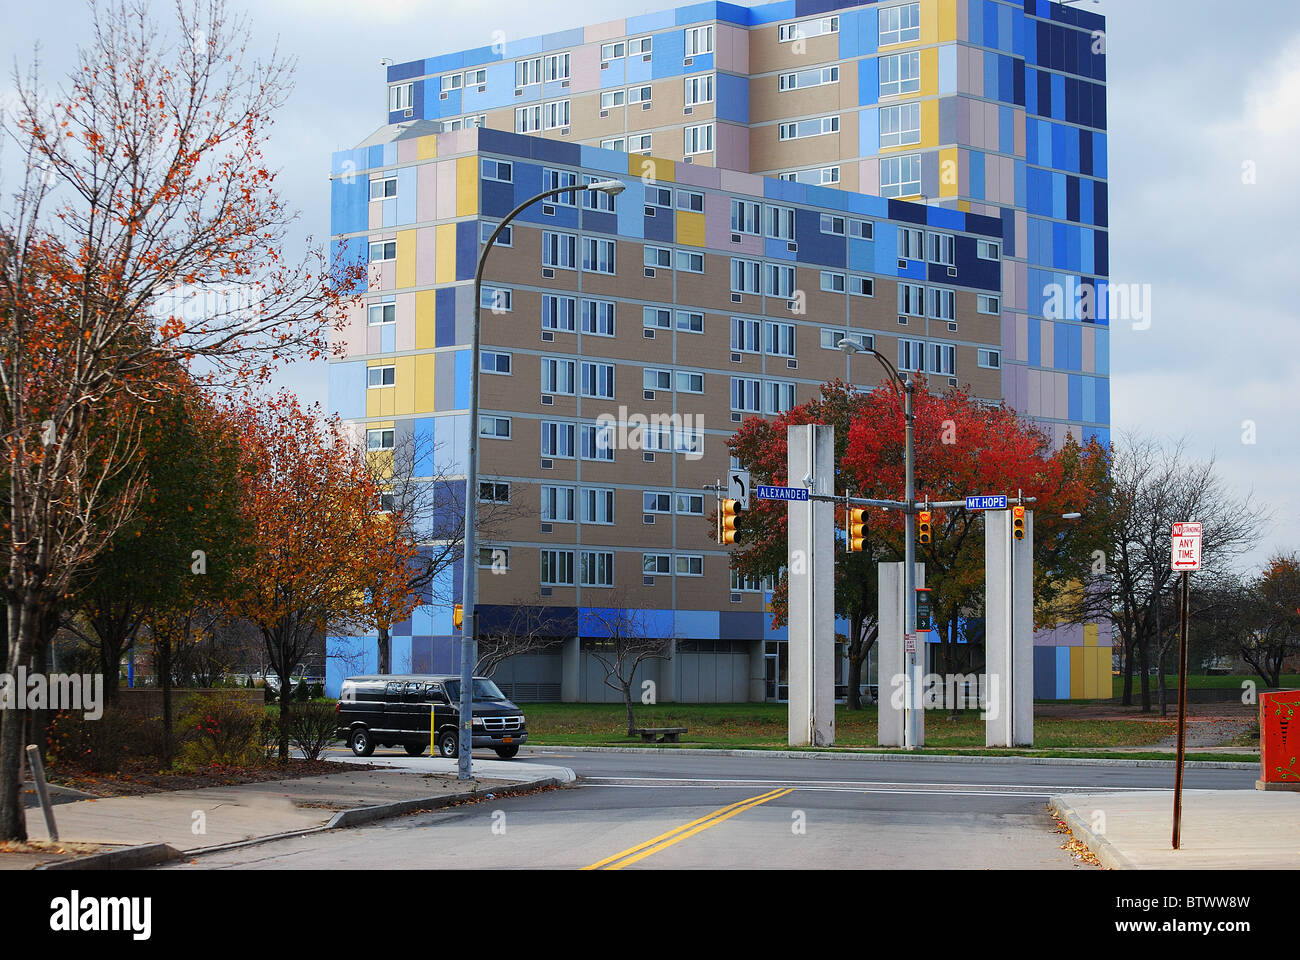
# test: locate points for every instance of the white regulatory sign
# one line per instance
(1186, 547)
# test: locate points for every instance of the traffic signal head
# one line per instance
(923, 526)
(729, 510)
(857, 530)
(1018, 522)
(458, 616)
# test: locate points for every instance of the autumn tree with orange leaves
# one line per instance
(144, 231)
(323, 551)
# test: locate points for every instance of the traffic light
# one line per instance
(923, 526)
(1018, 522)
(457, 615)
(730, 508)
(857, 530)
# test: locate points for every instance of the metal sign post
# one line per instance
(1185, 556)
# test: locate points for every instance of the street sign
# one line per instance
(986, 503)
(923, 609)
(909, 645)
(1186, 547)
(738, 488)
(781, 493)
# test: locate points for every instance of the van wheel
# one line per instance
(414, 749)
(362, 745)
(449, 744)
(507, 753)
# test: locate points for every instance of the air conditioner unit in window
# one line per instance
(952, 381)
(647, 518)
(547, 336)
(647, 581)
(442, 96)
(547, 400)
(408, 112)
(604, 113)
(564, 131)
(548, 273)
(604, 64)
(646, 58)
(735, 418)
(952, 271)
(688, 159)
(902, 320)
(952, 326)
(736, 598)
(650, 272)
(792, 364)
(646, 105)
(902, 264)
(548, 528)
(792, 247)
(688, 61)
(548, 464)
(736, 358)
(737, 298)
(548, 210)
(482, 88)
(688, 110)
(648, 457)
(649, 211)
(735, 238)
(648, 334)
(544, 591)
(648, 394)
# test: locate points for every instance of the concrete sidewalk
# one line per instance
(1221, 829)
(190, 822)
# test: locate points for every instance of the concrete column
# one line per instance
(757, 671)
(891, 670)
(1009, 631)
(570, 670)
(811, 565)
(667, 685)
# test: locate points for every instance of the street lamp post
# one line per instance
(469, 590)
(913, 685)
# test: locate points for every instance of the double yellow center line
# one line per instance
(666, 840)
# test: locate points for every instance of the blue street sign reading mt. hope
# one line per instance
(986, 503)
(781, 493)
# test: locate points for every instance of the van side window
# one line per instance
(434, 694)
(393, 691)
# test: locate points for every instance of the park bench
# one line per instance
(660, 734)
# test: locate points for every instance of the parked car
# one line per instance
(404, 710)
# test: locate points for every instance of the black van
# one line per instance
(395, 710)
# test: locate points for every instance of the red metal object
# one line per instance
(1279, 737)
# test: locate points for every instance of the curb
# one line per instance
(144, 855)
(358, 816)
(931, 757)
(1101, 848)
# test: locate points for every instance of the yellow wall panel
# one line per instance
(426, 148)
(690, 228)
(946, 28)
(444, 244)
(657, 168)
(929, 69)
(929, 123)
(1089, 634)
(424, 366)
(425, 325)
(1090, 673)
(405, 258)
(930, 21)
(372, 404)
(404, 399)
(1105, 685)
(466, 186)
(1076, 673)
(948, 175)
(963, 205)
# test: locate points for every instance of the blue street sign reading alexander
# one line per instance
(986, 503)
(781, 493)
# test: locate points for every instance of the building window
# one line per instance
(384, 376)
(558, 376)
(656, 317)
(494, 558)
(496, 299)
(900, 176)
(613, 98)
(861, 230)
(528, 119)
(690, 566)
(554, 179)
(780, 281)
(489, 491)
(557, 439)
(900, 24)
(832, 282)
(598, 380)
(381, 313)
(493, 361)
(690, 322)
(943, 249)
(475, 78)
(690, 200)
(556, 114)
(559, 250)
(557, 568)
(463, 123)
(744, 275)
(557, 67)
(654, 564)
(383, 250)
(779, 396)
(780, 223)
(943, 359)
(691, 504)
(598, 442)
(815, 127)
(613, 51)
(911, 299)
(528, 72)
(699, 41)
(638, 143)
(597, 568)
(911, 355)
(506, 238)
(831, 337)
(690, 262)
(943, 304)
(780, 339)
(990, 359)
(986, 249)
(986, 304)
(640, 46)
(597, 255)
(598, 317)
(379, 439)
(657, 379)
(698, 90)
(658, 257)
(653, 501)
(498, 428)
(596, 199)
(862, 286)
(745, 335)
(900, 73)
(900, 124)
(614, 143)
(451, 81)
(911, 243)
(746, 394)
(383, 189)
(818, 176)
(401, 96)
(832, 224)
(699, 139)
(558, 504)
(816, 77)
(597, 505)
(804, 29)
(558, 313)
(688, 382)
(745, 216)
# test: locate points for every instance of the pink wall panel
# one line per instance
(376, 212)
(732, 48)
(352, 337)
(732, 143)
(585, 68)
(425, 258)
(426, 192)
(604, 31)
(407, 151)
(699, 176)
(1046, 342)
(446, 183)
(405, 321)
(741, 182)
(869, 176)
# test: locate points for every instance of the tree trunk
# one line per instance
(1128, 672)
(385, 651)
(286, 697)
(1144, 667)
(22, 630)
(627, 703)
(163, 664)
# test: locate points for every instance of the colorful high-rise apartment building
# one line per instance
(928, 175)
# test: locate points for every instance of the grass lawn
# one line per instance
(1202, 682)
(764, 725)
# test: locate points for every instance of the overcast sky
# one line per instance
(1204, 123)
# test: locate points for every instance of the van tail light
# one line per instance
(338, 707)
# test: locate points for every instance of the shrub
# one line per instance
(311, 728)
(221, 730)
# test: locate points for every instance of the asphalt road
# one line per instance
(696, 810)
